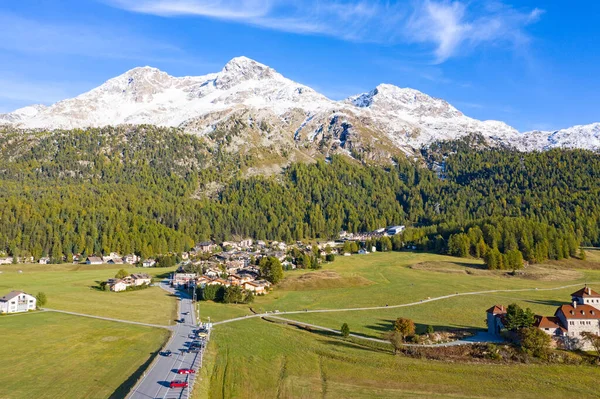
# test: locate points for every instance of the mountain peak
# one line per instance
(241, 69)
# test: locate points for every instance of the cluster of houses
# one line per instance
(244, 276)
(133, 280)
(567, 325)
(16, 302)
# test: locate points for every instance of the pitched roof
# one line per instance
(585, 292)
(579, 312)
(11, 295)
(94, 259)
(497, 309)
(546, 322)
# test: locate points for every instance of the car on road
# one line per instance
(182, 320)
(186, 371)
(178, 384)
(202, 335)
(167, 353)
(193, 350)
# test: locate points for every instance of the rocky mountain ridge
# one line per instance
(266, 109)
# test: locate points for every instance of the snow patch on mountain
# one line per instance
(409, 118)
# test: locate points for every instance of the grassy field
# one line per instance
(254, 358)
(73, 288)
(397, 278)
(257, 359)
(51, 355)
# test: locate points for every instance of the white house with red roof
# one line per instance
(567, 325)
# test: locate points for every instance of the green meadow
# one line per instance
(258, 359)
(74, 288)
(52, 355)
(255, 358)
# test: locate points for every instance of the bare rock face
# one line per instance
(248, 96)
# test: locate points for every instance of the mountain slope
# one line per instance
(277, 111)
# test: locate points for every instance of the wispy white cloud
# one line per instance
(451, 26)
(447, 27)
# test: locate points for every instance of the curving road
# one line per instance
(155, 381)
(439, 298)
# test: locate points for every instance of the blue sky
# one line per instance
(532, 64)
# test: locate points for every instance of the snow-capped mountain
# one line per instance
(393, 116)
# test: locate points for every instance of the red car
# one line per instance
(178, 384)
(186, 371)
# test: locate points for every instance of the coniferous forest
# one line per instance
(154, 191)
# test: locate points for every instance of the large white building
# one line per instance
(17, 301)
(567, 325)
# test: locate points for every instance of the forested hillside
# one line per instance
(152, 190)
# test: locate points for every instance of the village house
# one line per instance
(141, 279)
(219, 281)
(6, 261)
(115, 261)
(183, 279)
(567, 325)
(16, 302)
(148, 263)
(131, 259)
(118, 285)
(213, 273)
(133, 280)
(93, 260)
(44, 261)
(206, 247)
(202, 281)
(234, 280)
(258, 287)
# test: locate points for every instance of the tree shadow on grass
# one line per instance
(383, 326)
(546, 302)
(98, 286)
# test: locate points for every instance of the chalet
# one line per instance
(115, 261)
(6, 261)
(141, 279)
(44, 261)
(245, 277)
(234, 280)
(93, 260)
(131, 259)
(258, 287)
(118, 285)
(17, 301)
(219, 281)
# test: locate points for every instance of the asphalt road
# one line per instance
(155, 382)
